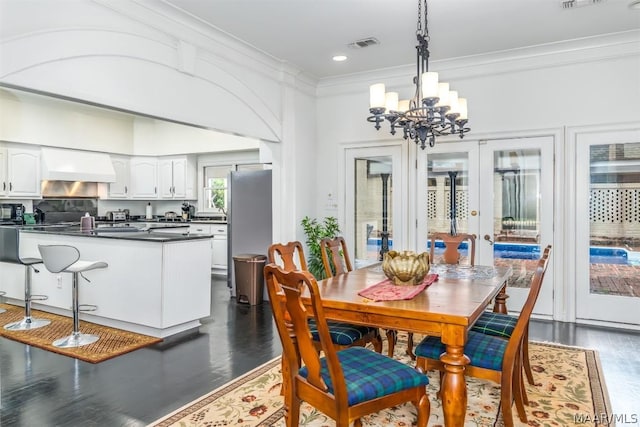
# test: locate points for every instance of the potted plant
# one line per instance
(316, 231)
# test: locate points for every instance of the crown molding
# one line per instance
(211, 41)
(584, 50)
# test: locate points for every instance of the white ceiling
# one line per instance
(308, 33)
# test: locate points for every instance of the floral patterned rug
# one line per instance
(569, 390)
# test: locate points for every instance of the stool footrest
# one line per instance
(87, 307)
(39, 297)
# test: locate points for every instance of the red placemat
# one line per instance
(387, 291)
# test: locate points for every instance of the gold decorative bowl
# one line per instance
(405, 267)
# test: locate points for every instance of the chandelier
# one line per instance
(433, 111)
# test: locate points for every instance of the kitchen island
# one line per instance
(157, 284)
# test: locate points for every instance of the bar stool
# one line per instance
(66, 259)
(2, 310)
(10, 253)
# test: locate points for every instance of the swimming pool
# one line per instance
(597, 254)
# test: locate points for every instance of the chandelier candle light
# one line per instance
(433, 111)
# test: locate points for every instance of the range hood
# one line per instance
(73, 165)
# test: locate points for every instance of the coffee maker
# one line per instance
(188, 211)
(12, 212)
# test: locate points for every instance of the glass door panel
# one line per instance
(517, 177)
(517, 213)
(608, 254)
(373, 201)
(503, 195)
(448, 199)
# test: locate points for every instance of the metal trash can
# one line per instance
(249, 274)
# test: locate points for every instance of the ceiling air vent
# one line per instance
(570, 4)
(359, 44)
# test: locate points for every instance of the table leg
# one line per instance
(500, 305)
(454, 387)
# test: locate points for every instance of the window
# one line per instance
(216, 188)
(216, 185)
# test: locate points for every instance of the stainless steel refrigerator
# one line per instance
(249, 217)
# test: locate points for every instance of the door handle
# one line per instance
(474, 213)
(488, 239)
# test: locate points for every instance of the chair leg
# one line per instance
(525, 357)
(520, 394)
(506, 396)
(292, 416)
(392, 336)
(410, 352)
(28, 322)
(76, 339)
(377, 341)
(424, 411)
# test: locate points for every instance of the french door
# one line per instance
(375, 201)
(501, 191)
(608, 226)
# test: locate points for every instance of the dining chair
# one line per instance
(452, 243)
(451, 255)
(340, 262)
(492, 358)
(291, 256)
(503, 325)
(343, 384)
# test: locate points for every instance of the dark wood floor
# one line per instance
(39, 388)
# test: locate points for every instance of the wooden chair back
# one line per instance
(452, 243)
(335, 256)
(286, 252)
(293, 328)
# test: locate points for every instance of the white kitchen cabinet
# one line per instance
(120, 188)
(177, 177)
(219, 253)
(23, 172)
(4, 185)
(144, 178)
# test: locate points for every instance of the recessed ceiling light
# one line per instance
(339, 58)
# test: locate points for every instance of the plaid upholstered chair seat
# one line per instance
(495, 324)
(485, 351)
(369, 375)
(342, 334)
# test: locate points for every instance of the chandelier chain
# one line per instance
(433, 111)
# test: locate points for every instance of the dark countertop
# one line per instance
(120, 231)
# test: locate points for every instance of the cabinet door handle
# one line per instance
(126, 189)
(10, 186)
(4, 186)
(155, 190)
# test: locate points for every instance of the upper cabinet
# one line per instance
(121, 188)
(177, 177)
(4, 185)
(20, 172)
(144, 178)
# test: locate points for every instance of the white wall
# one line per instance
(584, 82)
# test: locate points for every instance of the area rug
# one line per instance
(569, 390)
(113, 342)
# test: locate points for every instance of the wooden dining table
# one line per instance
(447, 308)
